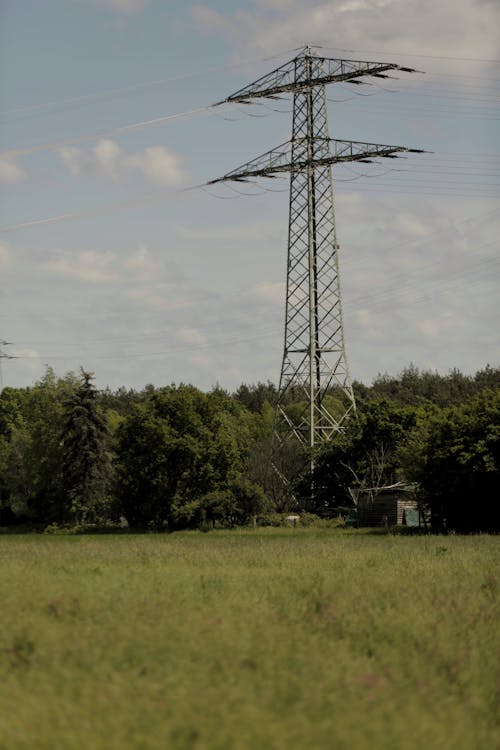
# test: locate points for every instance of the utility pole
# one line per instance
(314, 368)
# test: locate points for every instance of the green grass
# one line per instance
(282, 639)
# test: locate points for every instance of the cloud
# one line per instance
(142, 266)
(420, 27)
(439, 327)
(370, 326)
(167, 296)
(72, 158)
(268, 291)
(409, 225)
(232, 233)
(107, 157)
(97, 267)
(157, 164)
(30, 358)
(125, 6)
(9, 170)
(190, 337)
(89, 265)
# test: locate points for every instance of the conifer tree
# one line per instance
(85, 460)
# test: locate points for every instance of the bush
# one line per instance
(272, 519)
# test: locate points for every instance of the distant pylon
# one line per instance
(314, 371)
(3, 355)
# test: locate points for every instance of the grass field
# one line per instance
(282, 638)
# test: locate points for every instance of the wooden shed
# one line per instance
(394, 505)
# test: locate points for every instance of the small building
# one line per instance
(393, 505)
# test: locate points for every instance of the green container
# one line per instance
(412, 517)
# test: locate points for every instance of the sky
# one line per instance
(114, 259)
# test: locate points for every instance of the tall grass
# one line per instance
(283, 638)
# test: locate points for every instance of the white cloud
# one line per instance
(106, 157)
(421, 27)
(367, 279)
(370, 325)
(277, 5)
(89, 265)
(9, 170)
(30, 358)
(235, 233)
(165, 296)
(437, 328)
(410, 225)
(125, 6)
(141, 265)
(97, 267)
(273, 292)
(72, 158)
(157, 164)
(190, 336)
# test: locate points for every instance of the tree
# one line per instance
(176, 448)
(253, 397)
(145, 473)
(459, 468)
(365, 455)
(86, 462)
(33, 464)
(12, 405)
(250, 500)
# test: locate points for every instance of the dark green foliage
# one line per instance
(365, 455)
(414, 386)
(86, 463)
(235, 504)
(175, 449)
(122, 400)
(459, 466)
(253, 397)
(250, 500)
(32, 462)
(188, 459)
(11, 401)
(146, 479)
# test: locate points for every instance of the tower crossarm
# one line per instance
(278, 160)
(295, 76)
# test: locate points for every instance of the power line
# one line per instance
(419, 243)
(117, 91)
(103, 134)
(154, 198)
(410, 54)
(161, 119)
(477, 265)
(377, 300)
(108, 94)
(4, 355)
(98, 211)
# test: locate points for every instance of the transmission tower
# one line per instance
(3, 355)
(314, 368)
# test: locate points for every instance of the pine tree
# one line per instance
(86, 463)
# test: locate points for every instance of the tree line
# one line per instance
(176, 457)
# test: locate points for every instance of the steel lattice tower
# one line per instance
(314, 367)
(314, 358)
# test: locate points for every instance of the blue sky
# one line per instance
(107, 262)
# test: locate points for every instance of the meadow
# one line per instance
(266, 638)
